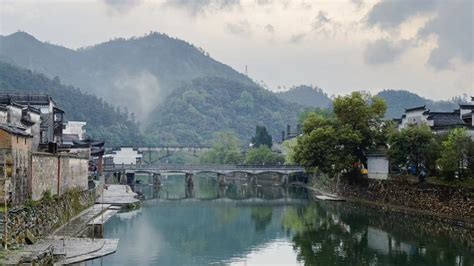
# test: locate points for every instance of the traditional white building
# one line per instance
(124, 156)
(440, 122)
(73, 131)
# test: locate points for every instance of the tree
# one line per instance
(263, 155)
(412, 147)
(262, 137)
(225, 150)
(288, 147)
(363, 114)
(457, 154)
(337, 144)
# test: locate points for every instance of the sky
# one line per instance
(424, 46)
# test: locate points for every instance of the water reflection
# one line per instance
(239, 223)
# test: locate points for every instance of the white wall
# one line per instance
(125, 156)
(377, 167)
(75, 127)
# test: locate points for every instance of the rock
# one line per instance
(29, 237)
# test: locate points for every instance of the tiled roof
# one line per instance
(467, 106)
(442, 119)
(419, 108)
(14, 130)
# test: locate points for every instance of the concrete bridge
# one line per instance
(250, 171)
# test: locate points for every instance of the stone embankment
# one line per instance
(39, 219)
(454, 204)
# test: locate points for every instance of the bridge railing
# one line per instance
(170, 167)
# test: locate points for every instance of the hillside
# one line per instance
(398, 100)
(192, 113)
(103, 120)
(137, 72)
(306, 96)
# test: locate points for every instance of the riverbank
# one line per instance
(453, 205)
(78, 227)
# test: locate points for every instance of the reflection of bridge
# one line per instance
(246, 201)
(250, 171)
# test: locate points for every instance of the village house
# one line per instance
(33, 158)
(15, 148)
(440, 122)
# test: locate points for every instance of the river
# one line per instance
(267, 225)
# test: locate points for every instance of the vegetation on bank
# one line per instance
(338, 145)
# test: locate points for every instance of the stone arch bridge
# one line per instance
(250, 171)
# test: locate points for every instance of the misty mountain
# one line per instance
(398, 100)
(306, 96)
(103, 120)
(194, 112)
(138, 72)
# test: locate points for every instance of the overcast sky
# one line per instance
(425, 46)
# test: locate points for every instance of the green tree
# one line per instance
(262, 137)
(336, 144)
(457, 154)
(288, 148)
(363, 114)
(225, 150)
(263, 155)
(413, 146)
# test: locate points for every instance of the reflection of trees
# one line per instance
(327, 236)
(262, 217)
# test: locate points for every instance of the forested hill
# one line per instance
(103, 120)
(398, 100)
(137, 72)
(192, 113)
(307, 96)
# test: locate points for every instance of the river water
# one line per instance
(241, 224)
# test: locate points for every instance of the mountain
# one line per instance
(398, 100)
(194, 112)
(103, 120)
(137, 73)
(307, 96)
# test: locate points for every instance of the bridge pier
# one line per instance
(122, 177)
(156, 180)
(284, 180)
(252, 179)
(189, 180)
(221, 179)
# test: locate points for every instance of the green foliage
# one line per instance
(263, 155)
(413, 146)
(326, 113)
(457, 156)
(103, 120)
(307, 96)
(223, 105)
(262, 137)
(47, 196)
(288, 148)
(335, 145)
(225, 150)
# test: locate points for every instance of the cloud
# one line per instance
(201, 7)
(269, 29)
(263, 2)
(453, 28)
(122, 6)
(450, 22)
(297, 38)
(390, 14)
(383, 51)
(241, 28)
(321, 20)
